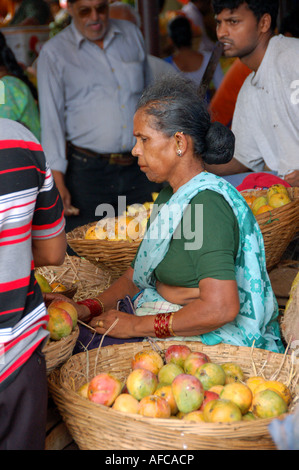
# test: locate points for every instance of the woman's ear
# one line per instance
(181, 143)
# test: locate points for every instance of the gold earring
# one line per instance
(179, 151)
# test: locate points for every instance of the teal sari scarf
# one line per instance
(256, 322)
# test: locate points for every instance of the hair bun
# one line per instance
(220, 144)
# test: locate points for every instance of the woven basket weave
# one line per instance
(80, 274)
(290, 317)
(96, 427)
(278, 226)
(58, 352)
(113, 257)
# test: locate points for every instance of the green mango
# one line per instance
(43, 283)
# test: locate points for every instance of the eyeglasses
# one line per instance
(86, 11)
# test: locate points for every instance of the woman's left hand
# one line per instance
(123, 327)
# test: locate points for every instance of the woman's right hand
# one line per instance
(83, 312)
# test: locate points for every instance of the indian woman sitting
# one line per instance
(200, 271)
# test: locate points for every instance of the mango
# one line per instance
(188, 392)
(43, 283)
(60, 324)
(68, 307)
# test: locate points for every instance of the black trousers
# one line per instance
(23, 407)
(94, 181)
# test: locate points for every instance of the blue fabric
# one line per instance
(285, 433)
(88, 340)
(256, 322)
(168, 59)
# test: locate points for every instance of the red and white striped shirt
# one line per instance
(30, 208)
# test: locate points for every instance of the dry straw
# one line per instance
(83, 279)
(78, 273)
(95, 426)
(278, 226)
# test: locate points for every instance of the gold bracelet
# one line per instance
(170, 325)
(100, 303)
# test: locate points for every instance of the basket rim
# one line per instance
(98, 242)
(171, 424)
(71, 236)
(53, 345)
(277, 210)
(168, 423)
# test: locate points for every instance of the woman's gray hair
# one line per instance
(174, 103)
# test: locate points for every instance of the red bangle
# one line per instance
(163, 325)
(95, 307)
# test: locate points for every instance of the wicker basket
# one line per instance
(290, 317)
(58, 352)
(82, 276)
(278, 226)
(95, 427)
(113, 257)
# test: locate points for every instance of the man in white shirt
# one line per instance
(90, 77)
(266, 118)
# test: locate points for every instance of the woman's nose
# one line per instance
(135, 150)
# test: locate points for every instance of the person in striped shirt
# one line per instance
(32, 234)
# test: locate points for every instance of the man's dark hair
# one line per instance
(290, 23)
(180, 31)
(258, 7)
(9, 61)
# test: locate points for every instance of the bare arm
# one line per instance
(119, 289)
(64, 193)
(50, 252)
(218, 304)
(292, 178)
(231, 168)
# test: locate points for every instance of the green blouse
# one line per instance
(19, 104)
(218, 229)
